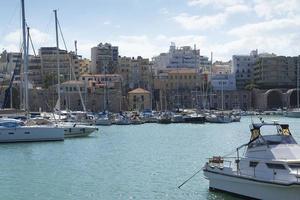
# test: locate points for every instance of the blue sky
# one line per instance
(146, 28)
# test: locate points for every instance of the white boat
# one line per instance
(270, 168)
(103, 119)
(218, 118)
(294, 113)
(12, 130)
(70, 129)
(122, 120)
(75, 130)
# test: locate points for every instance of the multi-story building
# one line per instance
(220, 67)
(223, 82)
(68, 63)
(10, 61)
(136, 73)
(35, 71)
(84, 66)
(179, 88)
(104, 59)
(243, 66)
(183, 57)
(276, 72)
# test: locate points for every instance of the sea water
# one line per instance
(146, 161)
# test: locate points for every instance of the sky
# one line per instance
(147, 27)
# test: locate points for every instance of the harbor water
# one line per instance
(146, 161)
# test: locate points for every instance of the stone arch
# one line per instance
(292, 98)
(274, 98)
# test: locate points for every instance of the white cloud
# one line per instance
(269, 9)
(13, 40)
(271, 27)
(236, 9)
(216, 3)
(195, 22)
(148, 47)
(198, 22)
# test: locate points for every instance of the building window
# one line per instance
(142, 97)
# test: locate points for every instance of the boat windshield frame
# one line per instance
(283, 135)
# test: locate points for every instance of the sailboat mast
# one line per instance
(57, 60)
(25, 55)
(298, 82)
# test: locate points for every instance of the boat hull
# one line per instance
(293, 114)
(31, 134)
(78, 131)
(249, 187)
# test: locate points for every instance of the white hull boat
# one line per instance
(293, 113)
(12, 130)
(270, 168)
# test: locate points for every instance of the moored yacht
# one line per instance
(13, 130)
(270, 168)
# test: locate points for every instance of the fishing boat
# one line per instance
(269, 169)
(13, 130)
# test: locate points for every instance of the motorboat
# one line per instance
(13, 130)
(218, 118)
(122, 120)
(294, 113)
(70, 129)
(194, 118)
(165, 118)
(177, 118)
(269, 169)
(103, 119)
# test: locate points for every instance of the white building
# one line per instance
(243, 67)
(104, 58)
(223, 82)
(183, 57)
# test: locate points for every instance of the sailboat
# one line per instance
(295, 113)
(70, 129)
(15, 130)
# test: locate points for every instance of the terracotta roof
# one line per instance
(138, 91)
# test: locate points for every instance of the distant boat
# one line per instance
(295, 113)
(103, 119)
(218, 118)
(13, 130)
(194, 118)
(165, 118)
(122, 120)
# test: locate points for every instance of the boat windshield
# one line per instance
(272, 140)
(11, 124)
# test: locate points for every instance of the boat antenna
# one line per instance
(189, 178)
